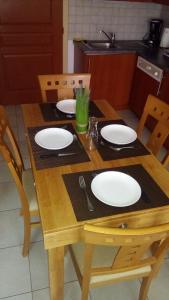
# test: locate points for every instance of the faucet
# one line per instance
(110, 36)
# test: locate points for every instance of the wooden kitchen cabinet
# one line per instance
(164, 90)
(111, 75)
(165, 2)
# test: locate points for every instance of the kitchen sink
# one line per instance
(100, 45)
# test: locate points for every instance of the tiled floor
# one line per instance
(27, 278)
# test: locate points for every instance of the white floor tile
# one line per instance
(9, 196)
(164, 270)
(11, 228)
(21, 132)
(39, 267)
(11, 114)
(36, 234)
(1, 158)
(5, 175)
(24, 149)
(70, 274)
(10, 109)
(72, 291)
(128, 290)
(18, 109)
(129, 117)
(27, 296)
(41, 295)
(159, 288)
(14, 272)
(26, 162)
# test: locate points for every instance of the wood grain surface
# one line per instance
(59, 224)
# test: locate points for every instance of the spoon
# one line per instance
(116, 148)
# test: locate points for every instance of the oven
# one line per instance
(147, 80)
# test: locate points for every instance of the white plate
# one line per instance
(53, 138)
(67, 106)
(116, 188)
(118, 134)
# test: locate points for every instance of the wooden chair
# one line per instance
(160, 111)
(23, 178)
(64, 84)
(109, 255)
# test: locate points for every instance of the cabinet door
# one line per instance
(111, 77)
(164, 91)
(143, 85)
(165, 2)
(31, 44)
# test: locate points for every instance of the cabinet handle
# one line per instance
(159, 86)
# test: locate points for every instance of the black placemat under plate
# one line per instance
(109, 154)
(152, 195)
(51, 162)
(51, 113)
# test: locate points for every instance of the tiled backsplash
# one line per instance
(129, 20)
(165, 15)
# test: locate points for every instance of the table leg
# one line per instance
(56, 273)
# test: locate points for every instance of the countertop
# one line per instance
(153, 55)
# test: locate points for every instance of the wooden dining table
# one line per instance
(59, 223)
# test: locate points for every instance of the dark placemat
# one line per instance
(152, 195)
(109, 154)
(51, 162)
(51, 113)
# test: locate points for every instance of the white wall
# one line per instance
(70, 67)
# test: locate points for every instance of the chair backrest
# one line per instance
(132, 244)
(64, 84)
(11, 154)
(159, 110)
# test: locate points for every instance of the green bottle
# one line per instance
(82, 110)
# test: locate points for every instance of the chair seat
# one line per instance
(103, 257)
(29, 187)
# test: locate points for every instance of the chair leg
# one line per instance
(144, 288)
(85, 293)
(85, 288)
(27, 236)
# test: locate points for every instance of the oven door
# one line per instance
(147, 80)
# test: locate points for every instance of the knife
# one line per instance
(57, 154)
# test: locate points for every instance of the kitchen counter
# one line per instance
(153, 55)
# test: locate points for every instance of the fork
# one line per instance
(116, 148)
(82, 184)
